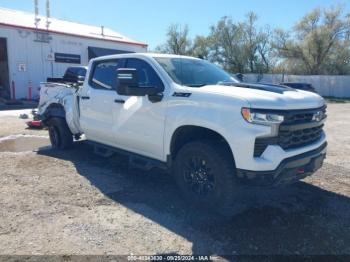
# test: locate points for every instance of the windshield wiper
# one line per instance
(195, 85)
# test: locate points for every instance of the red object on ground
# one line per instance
(34, 123)
(13, 90)
(30, 91)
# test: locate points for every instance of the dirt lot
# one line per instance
(78, 203)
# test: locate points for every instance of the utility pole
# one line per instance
(36, 18)
(48, 14)
(48, 22)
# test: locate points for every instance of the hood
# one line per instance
(267, 96)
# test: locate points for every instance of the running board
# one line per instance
(141, 163)
(103, 151)
(135, 160)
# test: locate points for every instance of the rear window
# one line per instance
(104, 74)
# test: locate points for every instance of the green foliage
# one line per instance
(227, 45)
(318, 44)
(201, 47)
(177, 42)
(240, 47)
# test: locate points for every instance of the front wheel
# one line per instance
(60, 135)
(205, 172)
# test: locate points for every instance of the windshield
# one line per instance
(194, 72)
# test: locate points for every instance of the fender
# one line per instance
(200, 124)
(203, 111)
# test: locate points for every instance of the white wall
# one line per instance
(325, 85)
(22, 48)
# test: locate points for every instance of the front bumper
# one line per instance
(289, 170)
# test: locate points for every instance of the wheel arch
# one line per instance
(54, 110)
(187, 133)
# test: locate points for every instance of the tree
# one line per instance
(241, 47)
(238, 47)
(201, 47)
(265, 50)
(250, 40)
(177, 42)
(318, 44)
(256, 43)
(339, 59)
(314, 39)
(227, 39)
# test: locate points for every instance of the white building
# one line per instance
(30, 52)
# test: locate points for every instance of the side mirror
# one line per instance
(128, 84)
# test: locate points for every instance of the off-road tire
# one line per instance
(60, 135)
(218, 158)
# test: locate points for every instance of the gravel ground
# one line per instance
(75, 202)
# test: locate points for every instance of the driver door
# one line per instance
(139, 124)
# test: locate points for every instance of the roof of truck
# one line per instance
(153, 55)
(25, 20)
(166, 55)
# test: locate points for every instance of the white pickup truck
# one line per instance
(188, 116)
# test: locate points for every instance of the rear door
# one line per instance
(98, 108)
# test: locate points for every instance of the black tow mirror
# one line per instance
(128, 83)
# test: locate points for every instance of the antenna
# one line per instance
(36, 19)
(47, 14)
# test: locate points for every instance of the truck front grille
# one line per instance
(298, 129)
(291, 119)
(299, 138)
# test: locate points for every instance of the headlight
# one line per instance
(262, 118)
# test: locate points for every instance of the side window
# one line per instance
(104, 74)
(147, 75)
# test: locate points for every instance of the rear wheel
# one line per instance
(205, 172)
(60, 135)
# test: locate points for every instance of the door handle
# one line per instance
(85, 97)
(120, 101)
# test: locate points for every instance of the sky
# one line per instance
(148, 20)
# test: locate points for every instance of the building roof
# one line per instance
(24, 20)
